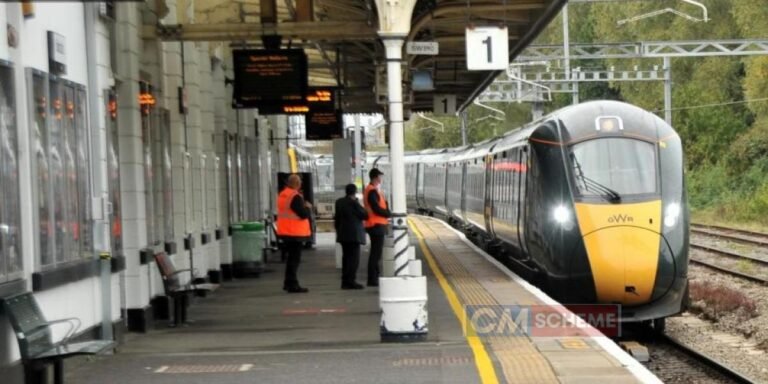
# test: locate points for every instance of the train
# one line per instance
(588, 203)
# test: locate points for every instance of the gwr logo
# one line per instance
(615, 219)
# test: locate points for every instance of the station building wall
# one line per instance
(120, 168)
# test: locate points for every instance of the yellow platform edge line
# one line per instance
(482, 359)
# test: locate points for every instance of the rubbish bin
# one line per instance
(247, 248)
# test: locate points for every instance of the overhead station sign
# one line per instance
(269, 79)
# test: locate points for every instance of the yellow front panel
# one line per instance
(622, 243)
(292, 160)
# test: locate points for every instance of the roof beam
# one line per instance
(317, 30)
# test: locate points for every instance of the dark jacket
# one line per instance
(348, 221)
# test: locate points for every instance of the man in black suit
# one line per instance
(348, 220)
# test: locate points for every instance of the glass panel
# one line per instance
(38, 83)
(167, 175)
(83, 161)
(230, 177)
(614, 165)
(146, 104)
(10, 219)
(203, 187)
(114, 174)
(158, 173)
(58, 177)
(70, 233)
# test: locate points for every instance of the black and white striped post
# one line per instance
(402, 297)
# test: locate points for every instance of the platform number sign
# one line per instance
(444, 105)
(487, 48)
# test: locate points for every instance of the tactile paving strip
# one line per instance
(519, 359)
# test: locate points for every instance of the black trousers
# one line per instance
(350, 260)
(377, 233)
(292, 261)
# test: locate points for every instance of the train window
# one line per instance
(10, 216)
(614, 167)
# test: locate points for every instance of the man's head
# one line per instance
(294, 181)
(350, 189)
(375, 176)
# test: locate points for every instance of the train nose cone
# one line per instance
(631, 262)
(625, 263)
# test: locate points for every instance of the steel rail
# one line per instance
(729, 271)
(728, 233)
(707, 360)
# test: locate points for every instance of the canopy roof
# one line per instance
(341, 41)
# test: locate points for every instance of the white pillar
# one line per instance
(402, 298)
(358, 152)
(394, 49)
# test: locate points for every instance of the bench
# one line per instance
(34, 335)
(176, 290)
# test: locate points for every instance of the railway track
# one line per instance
(739, 235)
(675, 362)
(743, 266)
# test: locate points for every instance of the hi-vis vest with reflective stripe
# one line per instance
(288, 222)
(373, 218)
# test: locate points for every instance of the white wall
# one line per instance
(81, 299)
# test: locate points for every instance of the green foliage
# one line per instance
(719, 104)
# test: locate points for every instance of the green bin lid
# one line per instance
(248, 226)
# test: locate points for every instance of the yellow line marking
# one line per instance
(482, 359)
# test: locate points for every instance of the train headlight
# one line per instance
(562, 215)
(671, 214)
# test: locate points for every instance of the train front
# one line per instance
(625, 170)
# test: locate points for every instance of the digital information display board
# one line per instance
(269, 79)
(317, 98)
(324, 124)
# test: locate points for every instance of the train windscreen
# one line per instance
(614, 167)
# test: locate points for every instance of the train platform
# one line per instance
(251, 331)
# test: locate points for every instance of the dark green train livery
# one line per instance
(588, 203)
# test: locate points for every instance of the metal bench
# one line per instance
(34, 335)
(176, 290)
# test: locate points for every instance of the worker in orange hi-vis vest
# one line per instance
(376, 225)
(294, 229)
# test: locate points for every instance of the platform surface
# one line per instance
(251, 331)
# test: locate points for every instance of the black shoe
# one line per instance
(372, 284)
(297, 289)
(352, 286)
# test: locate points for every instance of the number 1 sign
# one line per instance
(487, 48)
(444, 105)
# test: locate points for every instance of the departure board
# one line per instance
(269, 79)
(324, 125)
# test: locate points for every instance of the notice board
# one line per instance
(269, 79)
(324, 124)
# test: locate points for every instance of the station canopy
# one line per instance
(341, 42)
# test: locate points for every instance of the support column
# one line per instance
(403, 297)
(221, 111)
(132, 194)
(358, 179)
(463, 119)
(667, 90)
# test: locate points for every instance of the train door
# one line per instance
(520, 196)
(489, 195)
(420, 185)
(463, 201)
